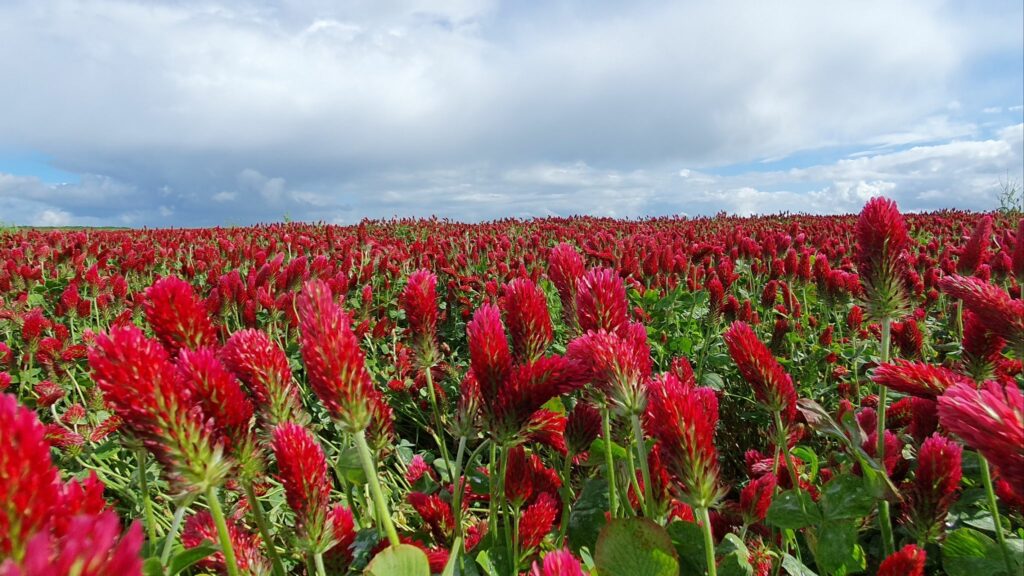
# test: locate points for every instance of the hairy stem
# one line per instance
(457, 489)
(888, 544)
(172, 532)
(609, 461)
(990, 495)
(230, 563)
(378, 495)
(709, 540)
(645, 470)
(147, 504)
(261, 524)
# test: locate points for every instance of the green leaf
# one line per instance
(152, 567)
(635, 546)
(350, 467)
(688, 538)
(793, 509)
(186, 558)
(712, 380)
(967, 552)
(846, 497)
(810, 459)
(555, 405)
(587, 515)
(597, 451)
(401, 560)
(483, 559)
(735, 557)
(837, 543)
(794, 567)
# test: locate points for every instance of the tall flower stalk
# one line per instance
(419, 301)
(337, 373)
(882, 239)
(683, 419)
(772, 386)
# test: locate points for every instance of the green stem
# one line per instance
(147, 505)
(641, 451)
(567, 498)
(378, 495)
(782, 444)
(438, 422)
(986, 478)
(606, 423)
(627, 506)
(261, 523)
(222, 531)
(318, 561)
(888, 544)
(172, 532)
(492, 517)
(515, 541)
(709, 541)
(457, 489)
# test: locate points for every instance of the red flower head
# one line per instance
(908, 338)
(518, 477)
(558, 563)
(933, 489)
(33, 324)
(511, 411)
(990, 420)
(982, 348)
(47, 393)
(489, 355)
(218, 392)
(200, 528)
(145, 390)
(756, 498)
(1003, 315)
(419, 301)
(908, 561)
(436, 513)
(881, 239)
(93, 546)
(582, 428)
(177, 316)
(772, 385)
(263, 367)
(973, 253)
(302, 470)
(683, 419)
(618, 364)
(565, 268)
(339, 556)
(601, 301)
(536, 521)
(916, 378)
(509, 396)
(417, 468)
(29, 482)
(334, 362)
(527, 317)
(547, 427)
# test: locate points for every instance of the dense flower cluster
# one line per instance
(543, 397)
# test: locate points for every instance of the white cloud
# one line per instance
(247, 109)
(52, 218)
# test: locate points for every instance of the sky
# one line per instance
(203, 113)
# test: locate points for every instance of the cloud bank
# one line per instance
(200, 113)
